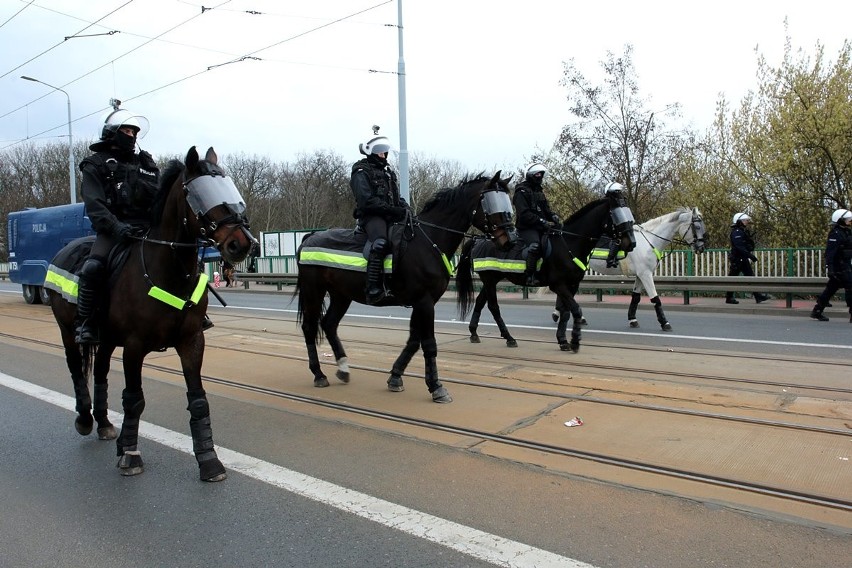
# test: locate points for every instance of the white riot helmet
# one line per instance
(740, 217)
(614, 187)
(121, 117)
(377, 145)
(841, 216)
(535, 172)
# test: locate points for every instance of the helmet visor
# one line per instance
(121, 117)
(206, 192)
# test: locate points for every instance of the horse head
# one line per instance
(494, 214)
(219, 209)
(697, 232)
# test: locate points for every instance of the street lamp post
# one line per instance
(71, 175)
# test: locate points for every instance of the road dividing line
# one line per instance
(484, 546)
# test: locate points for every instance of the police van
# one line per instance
(34, 236)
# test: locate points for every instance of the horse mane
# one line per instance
(583, 210)
(170, 174)
(652, 224)
(450, 194)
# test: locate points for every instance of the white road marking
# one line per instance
(585, 331)
(484, 546)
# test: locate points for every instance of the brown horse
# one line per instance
(421, 274)
(157, 299)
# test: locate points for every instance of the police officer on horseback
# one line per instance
(377, 204)
(838, 263)
(119, 187)
(534, 218)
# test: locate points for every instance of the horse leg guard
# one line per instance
(631, 311)
(343, 369)
(401, 363)
(430, 354)
(106, 430)
(210, 468)
(130, 460)
(661, 316)
(84, 421)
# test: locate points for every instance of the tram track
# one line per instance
(270, 348)
(763, 489)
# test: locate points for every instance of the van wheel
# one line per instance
(44, 295)
(31, 295)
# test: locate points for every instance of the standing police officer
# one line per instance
(838, 262)
(119, 187)
(742, 254)
(533, 217)
(377, 204)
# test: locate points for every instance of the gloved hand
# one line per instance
(556, 219)
(123, 232)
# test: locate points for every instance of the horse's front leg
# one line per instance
(648, 282)
(106, 430)
(133, 404)
(423, 326)
(191, 352)
(336, 310)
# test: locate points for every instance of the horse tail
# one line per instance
(87, 354)
(464, 280)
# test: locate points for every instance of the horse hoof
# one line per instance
(107, 433)
(554, 316)
(342, 376)
(321, 382)
(634, 323)
(395, 384)
(564, 346)
(575, 347)
(212, 470)
(441, 395)
(130, 463)
(511, 343)
(667, 326)
(83, 424)
(474, 339)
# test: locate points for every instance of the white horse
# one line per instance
(653, 237)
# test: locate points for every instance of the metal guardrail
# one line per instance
(610, 285)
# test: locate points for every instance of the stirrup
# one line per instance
(206, 323)
(375, 295)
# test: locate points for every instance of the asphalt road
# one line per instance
(66, 505)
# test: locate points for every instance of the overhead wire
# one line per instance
(249, 56)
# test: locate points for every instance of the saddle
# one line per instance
(486, 256)
(63, 271)
(349, 249)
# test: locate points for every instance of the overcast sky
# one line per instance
(482, 76)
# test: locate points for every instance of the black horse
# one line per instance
(562, 271)
(157, 298)
(420, 275)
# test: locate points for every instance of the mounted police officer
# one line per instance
(534, 218)
(742, 254)
(119, 187)
(377, 204)
(620, 219)
(838, 262)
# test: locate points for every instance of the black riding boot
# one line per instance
(375, 290)
(533, 254)
(87, 295)
(816, 313)
(612, 257)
